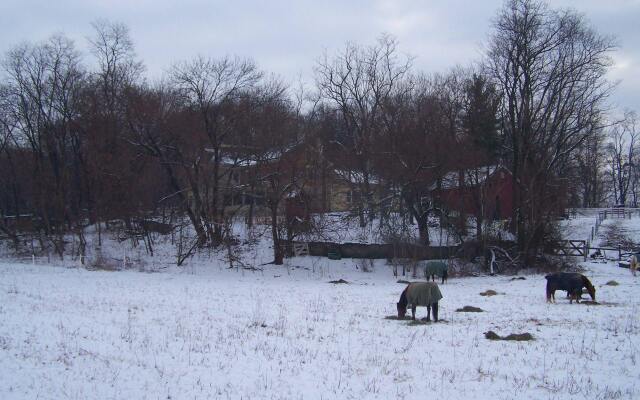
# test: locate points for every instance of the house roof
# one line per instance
(238, 156)
(472, 176)
(355, 177)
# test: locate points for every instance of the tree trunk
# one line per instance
(278, 255)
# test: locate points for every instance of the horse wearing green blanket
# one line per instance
(425, 294)
(439, 268)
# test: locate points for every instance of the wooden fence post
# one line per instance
(619, 253)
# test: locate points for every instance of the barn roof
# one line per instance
(472, 176)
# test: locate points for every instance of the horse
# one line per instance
(433, 268)
(426, 294)
(571, 282)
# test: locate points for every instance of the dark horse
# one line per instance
(425, 294)
(571, 282)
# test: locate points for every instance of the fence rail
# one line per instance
(569, 247)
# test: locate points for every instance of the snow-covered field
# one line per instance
(286, 333)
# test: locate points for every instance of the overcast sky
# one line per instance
(287, 37)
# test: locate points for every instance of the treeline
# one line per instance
(81, 146)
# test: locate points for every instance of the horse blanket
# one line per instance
(438, 268)
(423, 293)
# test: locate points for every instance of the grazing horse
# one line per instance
(633, 264)
(433, 268)
(426, 294)
(571, 282)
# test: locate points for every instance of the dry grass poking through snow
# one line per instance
(79, 334)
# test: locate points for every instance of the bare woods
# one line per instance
(219, 138)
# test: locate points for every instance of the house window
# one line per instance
(353, 197)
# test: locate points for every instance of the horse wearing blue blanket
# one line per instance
(439, 268)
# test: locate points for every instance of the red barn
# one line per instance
(481, 191)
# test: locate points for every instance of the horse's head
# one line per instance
(587, 284)
(402, 310)
(592, 291)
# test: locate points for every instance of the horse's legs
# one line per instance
(413, 312)
(429, 313)
(435, 311)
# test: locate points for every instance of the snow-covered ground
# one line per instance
(344, 227)
(578, 228)
(286, 333)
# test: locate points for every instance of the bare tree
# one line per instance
(10, 199)
(118, 68)
(588, 178)
(480, 152)
(209, 85)
(279, 150)
(550, 68)
(158, 127)
(622, 157)
(110, 185)
(43, 92)
(411, 150)
(357, 81)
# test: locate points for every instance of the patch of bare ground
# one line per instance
(518, 337)
(470, 309)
